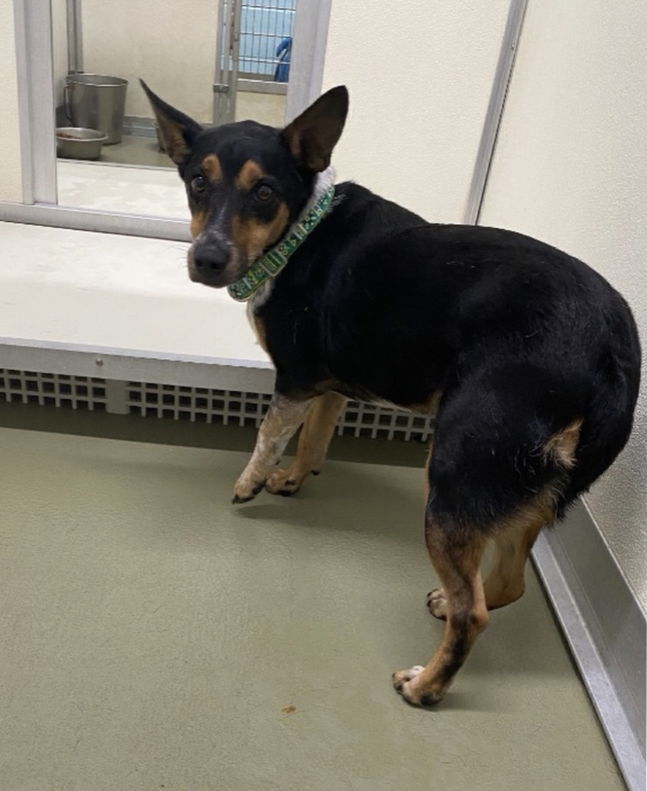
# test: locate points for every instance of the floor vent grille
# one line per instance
(48, 389)
(195, 404)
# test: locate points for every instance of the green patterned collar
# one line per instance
(273, 261)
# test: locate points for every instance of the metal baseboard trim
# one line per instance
(605, 628)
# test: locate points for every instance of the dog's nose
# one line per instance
(210, 259)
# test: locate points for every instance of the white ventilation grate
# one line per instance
(232, 407)
(47, 389)
(227, 407)
(363, 419)
(195, 404)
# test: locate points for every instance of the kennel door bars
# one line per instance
(253, 51)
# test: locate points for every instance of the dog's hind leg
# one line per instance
(456, 555)
(512, 540)
(505, 581)
(314, 439)
(484, 465)
(514, 537)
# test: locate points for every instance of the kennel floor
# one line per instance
(156, 637)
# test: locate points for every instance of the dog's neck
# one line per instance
(309, 217)
(322, 183)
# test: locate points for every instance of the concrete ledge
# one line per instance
(72, 294)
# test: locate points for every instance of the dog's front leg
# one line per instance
(283, 418)
(316, 433)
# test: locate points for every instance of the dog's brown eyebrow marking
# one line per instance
(211, 167)
(249, 174)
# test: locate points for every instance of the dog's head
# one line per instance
(246, 182)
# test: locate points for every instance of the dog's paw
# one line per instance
(406, 682)
(437, 603)
(246, 489)
(287, 482)
(283, 482)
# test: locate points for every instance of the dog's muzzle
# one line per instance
(213, 260)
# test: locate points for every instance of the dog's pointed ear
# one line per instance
(312, 136)
(177, 129)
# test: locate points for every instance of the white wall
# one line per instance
(172, 45)
(571, 168)
(59, 47)
(266, 108)
(419, 75)
(11, 181)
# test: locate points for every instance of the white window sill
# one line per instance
(157, 192)
(120, 294)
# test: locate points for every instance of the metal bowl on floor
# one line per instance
(76, 142)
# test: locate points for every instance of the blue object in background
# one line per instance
(265, 24)
(283, 52)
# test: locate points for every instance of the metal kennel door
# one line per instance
(226, 71)
(253, 46)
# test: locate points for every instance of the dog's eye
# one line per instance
(198, 184)
(264, 192)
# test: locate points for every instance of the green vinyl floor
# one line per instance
(156, 637)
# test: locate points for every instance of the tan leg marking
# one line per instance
(314, 439)
(513, 539)
(456, 556)
(212, 168)
(279, 424)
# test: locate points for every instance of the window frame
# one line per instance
(36, 111)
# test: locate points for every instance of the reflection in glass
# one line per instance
(100, 51)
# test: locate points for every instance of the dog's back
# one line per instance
(387, 306)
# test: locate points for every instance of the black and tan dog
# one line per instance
(528, 359)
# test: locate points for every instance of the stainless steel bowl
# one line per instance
(76, 142)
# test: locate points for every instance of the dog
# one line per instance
(528, 360)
